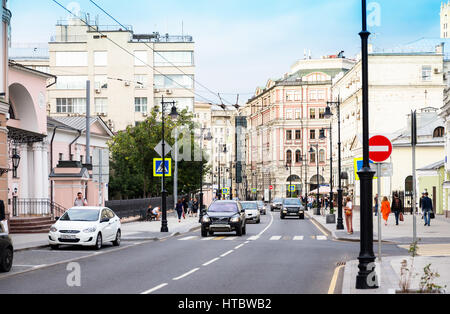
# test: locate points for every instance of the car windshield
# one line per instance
(277, 200)
(260, 203)
(292, 202)
(81, 215)
(220, 207)
(250, 205)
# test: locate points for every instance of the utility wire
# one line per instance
(130, 53)
(193, 79)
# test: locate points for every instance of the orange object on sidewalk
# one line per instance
(386, 210)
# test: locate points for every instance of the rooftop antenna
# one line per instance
(304, 54)
(309, 54)
(222, 104)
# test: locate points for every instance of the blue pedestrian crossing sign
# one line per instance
(159, 170)
(292, 188)
(226, 191)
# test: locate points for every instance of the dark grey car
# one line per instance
(6, 251)
(224, 216)
(292, 207)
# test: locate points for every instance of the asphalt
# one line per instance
(275, 257)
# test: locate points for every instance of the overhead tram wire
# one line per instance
(132, 54)
(179, 69)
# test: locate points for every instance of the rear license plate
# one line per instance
(68, 237)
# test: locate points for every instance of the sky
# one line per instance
(240, 44)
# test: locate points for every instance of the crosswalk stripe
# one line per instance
(286, 238)
(253, 238)
(207, 239)
(299, 238)
(230, 239)
(188, 238)
(321, 238)
(275, 238)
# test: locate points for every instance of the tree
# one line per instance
(132, 154)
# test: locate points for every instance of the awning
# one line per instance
(20, 136)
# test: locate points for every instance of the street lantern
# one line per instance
(16, 161)
(328, 114)
(174, 114)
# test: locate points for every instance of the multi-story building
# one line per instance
(445, 20)
(284, 122)
(129, 72)
(398, 83)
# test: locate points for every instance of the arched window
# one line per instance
(322, 155)
(298, 156)
(439, 132)
(289, 157)
(312, 157)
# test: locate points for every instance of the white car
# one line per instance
(86, 226)
(252, 212)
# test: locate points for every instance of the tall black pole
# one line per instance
(306, 181)
(340, 220)
(318, 181)
(331, 168)
(366, 278)
(219, 192)
(164, 227)
(200, 203)
(290, 180)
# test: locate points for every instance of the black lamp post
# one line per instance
(289, 167)
(328, 114)
(173, 115)
(366, 278)
(318, 180)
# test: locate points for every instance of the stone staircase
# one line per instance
(31, 225)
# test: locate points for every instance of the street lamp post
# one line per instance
(328, 114)
(289, 167)
(318, 181)
(366, 278)
(174, 115)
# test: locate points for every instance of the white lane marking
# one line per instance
(207, 239)
(270, 224)
(239, 246)
(33, 266)
(186, 274)
(246, 242)
(275, 238)
(188, 238)
(230, 239)
(227, 253)
(321, 238)
(299, 238)
(211, 261)
(155, 288)
(253, 238)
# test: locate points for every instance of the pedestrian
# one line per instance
(185, 207)
(349, 215)
(397, 208)
(195, 206)
(80, 201)
(190, 207)
(427, 207)
(420, 201)
(385, 210)
(179, 209)
(156, 212)
(376, 204)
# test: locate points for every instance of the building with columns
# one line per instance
(284, 122)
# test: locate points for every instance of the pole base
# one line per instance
(164, 229)
(340, 224)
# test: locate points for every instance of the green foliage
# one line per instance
(427, 284)
(132, 154)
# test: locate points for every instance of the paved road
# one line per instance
(276, 256)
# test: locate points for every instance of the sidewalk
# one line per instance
(439, 230)
(388, 273)
(131, 231)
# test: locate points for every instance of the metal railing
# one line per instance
(68, 39)
(134, 208)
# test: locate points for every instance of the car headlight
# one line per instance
(206, 219)
(53, 229)
(90, 230)
(235, 219)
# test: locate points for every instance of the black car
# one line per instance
(224, 216)
(292, 207)
(276, 204)
(6, 251)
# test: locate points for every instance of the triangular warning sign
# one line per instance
(161, 167)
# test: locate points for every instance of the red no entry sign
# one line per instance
(271, 187)
(380, 148)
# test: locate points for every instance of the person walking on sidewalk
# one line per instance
(179, 209)
(427, 207)
(376, 205)
(385, 210)
(349, 215)
(191, 207)
(80, 201)
(397, 208)
(185, 207)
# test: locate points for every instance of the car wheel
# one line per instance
(244, 230)
(204, 233)
(99, 242)
(302, 217)
(54, 246)
(258, 221)
(211, 233)
(118, 238)
(7, 260)
(239, 231)
(282, 217)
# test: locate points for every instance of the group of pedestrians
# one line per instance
(425, 203)
(186, 207)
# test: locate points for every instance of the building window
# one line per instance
(312, 114)
(101, 105)
(298, 135)
(60, 156)
(289, 114)
(289, 157)
(312, 134)
(290, 95)
(426, 73)
(298, 114)
(71, 82)
(140, 58)
(174, 58)
(174, 81)
(322, 156)
(101, 82)
(289, 135)
(140, 104)
(141, 81)
(321, 113)
(71, 59)
(81, 159)
(439, 132)
(100, 58)
(71, 105)
(312, 157)
(298, 156)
